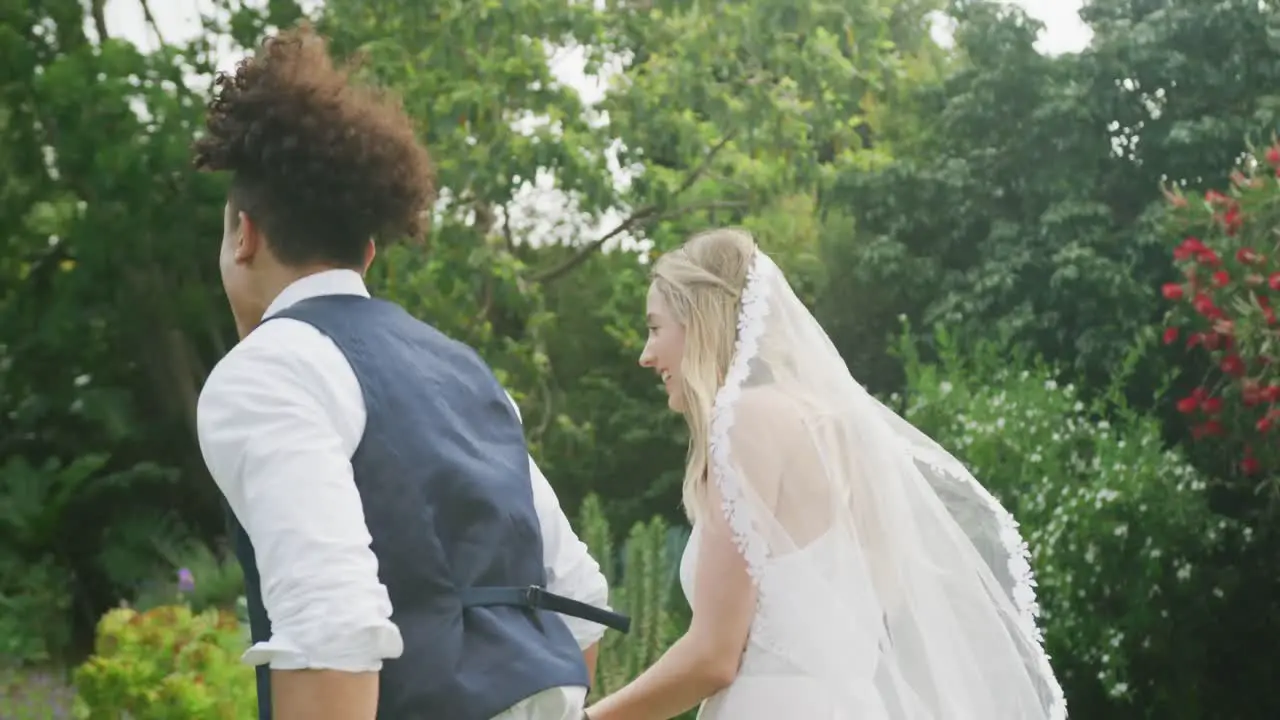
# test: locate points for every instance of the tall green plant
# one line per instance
(642, 578)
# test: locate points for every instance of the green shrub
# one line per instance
(166, 663)
(1119, 525)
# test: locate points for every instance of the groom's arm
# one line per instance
(571, 571)
(278, 421)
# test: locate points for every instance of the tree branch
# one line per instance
(151, 21)
(99, 11)
(639, 217)
(705, 165)
(586, 251)
(645, 214)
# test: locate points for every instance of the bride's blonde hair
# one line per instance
(701, 283)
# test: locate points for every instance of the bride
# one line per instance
(842, 565)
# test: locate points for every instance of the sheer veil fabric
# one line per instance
(885, 571)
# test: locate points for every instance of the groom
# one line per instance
(384, 505)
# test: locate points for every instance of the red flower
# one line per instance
(1274, 281)
(1208, 257)
(1221, 278)
(1271, 393)
(1194, 339)
(1188, 248)
(1232, 365)
(1188, 404)
(1264, 424)
(1213, 197)
(1250, 392)
(1232, 220)
(1171, 291)
(1204, 305)
(1212, 406)
(1170, 335)
(1273, 155)
(1247, 256)
(1211, 341)
(1250, 465)
(1206, 429)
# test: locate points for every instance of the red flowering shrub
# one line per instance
(1225, 305)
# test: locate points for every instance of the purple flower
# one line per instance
(186, 581)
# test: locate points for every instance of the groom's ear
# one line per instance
(370, 251)
(248, 239)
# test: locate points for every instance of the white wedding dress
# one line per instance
(769, 685)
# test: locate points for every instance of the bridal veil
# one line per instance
(921, 600)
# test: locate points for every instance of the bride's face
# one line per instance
(664, 350)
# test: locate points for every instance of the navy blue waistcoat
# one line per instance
(443, 475)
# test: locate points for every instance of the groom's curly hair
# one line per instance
(322, 164)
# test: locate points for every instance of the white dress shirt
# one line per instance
(278, 420)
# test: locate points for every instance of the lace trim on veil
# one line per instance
(1019, 554)
(737, 511)
(751, 317)
(1018, 559)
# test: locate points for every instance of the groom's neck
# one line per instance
(274, 281)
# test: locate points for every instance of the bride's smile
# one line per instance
(664, 348)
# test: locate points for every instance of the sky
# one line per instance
(541, 211)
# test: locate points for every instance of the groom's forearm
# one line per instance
(590, 655)
(324, 695)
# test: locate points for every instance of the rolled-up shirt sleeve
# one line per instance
(279, 456)
(571, 571)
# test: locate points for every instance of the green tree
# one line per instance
(1025, 199)
(108, 307)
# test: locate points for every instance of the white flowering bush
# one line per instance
(1118, 523)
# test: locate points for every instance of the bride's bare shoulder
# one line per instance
(766, 408)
